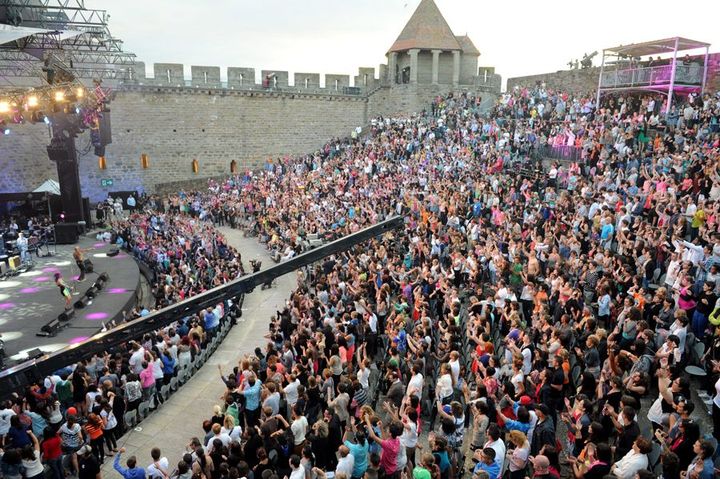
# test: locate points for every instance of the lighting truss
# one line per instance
(78, 41)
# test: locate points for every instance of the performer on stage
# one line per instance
(79, 256)
(65, 290)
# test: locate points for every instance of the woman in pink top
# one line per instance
(686, 299)
(390, 447)
(147, 380)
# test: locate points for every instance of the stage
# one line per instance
(31, 300)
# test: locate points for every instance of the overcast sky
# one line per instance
(338, 36)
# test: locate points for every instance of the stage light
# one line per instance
(7, 131)
(80, 92)
(32, 101)
(59, 96)
(4, 107)
(46, 120)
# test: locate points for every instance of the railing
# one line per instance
(560, 152)
(646, 76)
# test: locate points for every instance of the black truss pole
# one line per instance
(26, 373)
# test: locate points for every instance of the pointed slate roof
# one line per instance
(427, 30)
(467, 45)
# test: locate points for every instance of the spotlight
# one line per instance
(32, 101)
(7, 131)
(82, 302)
(77, 110)
(46, 120)
(67, 315)
(80, 92)
(91, 292)
(59, 96)
(104, 277)
(4, 107)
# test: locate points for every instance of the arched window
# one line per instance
(233, 167)
(195, 166)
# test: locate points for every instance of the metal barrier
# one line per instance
(18, 377)
(561, 152)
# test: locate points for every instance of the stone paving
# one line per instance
(173, 425)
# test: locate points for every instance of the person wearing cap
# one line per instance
(88, 465)
(487, 462)
(132, 471)
(544, 432)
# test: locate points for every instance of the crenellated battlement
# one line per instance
(249, 79)
(172, 77)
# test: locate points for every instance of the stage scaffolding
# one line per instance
(633, 68)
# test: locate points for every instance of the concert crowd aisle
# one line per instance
(537, 323)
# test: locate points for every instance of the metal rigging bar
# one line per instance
(78, 37)
(33, 370)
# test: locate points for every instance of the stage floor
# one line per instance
(30, 300)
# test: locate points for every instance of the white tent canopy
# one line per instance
(49, 186)
(9, 33)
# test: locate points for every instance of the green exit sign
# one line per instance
(105, 182)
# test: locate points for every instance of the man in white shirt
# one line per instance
(160, 467)
(298, 427)
(5, 414)
(346, 462)
(297, 471)
(218, 434)
(635, 460)
(137, 357)
(291, 390)
(494, 442)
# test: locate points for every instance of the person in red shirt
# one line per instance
(51, 452)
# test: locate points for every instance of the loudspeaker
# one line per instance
(86, 211)
(58, 153)
(105, 128)
(82, 302)
(113, 252)
(104, 277)
(50, 328)
(66, 233)
(66, 315)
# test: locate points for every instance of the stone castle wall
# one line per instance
(173, 127)
(575, 81)
(174, 120)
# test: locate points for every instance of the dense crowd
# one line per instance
(524, 324)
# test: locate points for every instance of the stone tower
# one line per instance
(427, 52)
